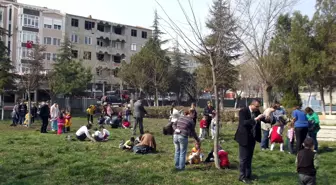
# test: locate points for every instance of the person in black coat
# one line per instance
(22, 112)
(208, 111)
(45, 115)
(33, 113)
(247, 134)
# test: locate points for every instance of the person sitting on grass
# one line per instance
(83, 133)
(128, 145)
(222, 155)
(307, 163)
(101, 120)
(147, 144)
(195, 156)
(101, 135)
(126, 124)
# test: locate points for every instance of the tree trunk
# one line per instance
(2, 103)
(156, 97)
(267, 95)
(322, 100)
(216, 143)
(29, 108)
(221, 98)
(309, 96)
(330, 97)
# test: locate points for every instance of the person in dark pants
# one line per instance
(45, 115)
(208, 111)
(193, 107)
(139, 113)
(300, 126)
(315, 127)
(33, 113)
(22, 112)
(247, 134)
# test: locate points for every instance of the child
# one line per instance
(307, 163)
(276, 135)
(106, 134)
(126, 124)
(223, 157)
(195, 156)
(68, 122)
(98, 136)
(60, 122)
(128, 113)
(128, 145)
(213, 127)
(203, 127)
(26, 121)
(290, 137)
(14, 118)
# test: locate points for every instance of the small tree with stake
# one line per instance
(31, 79)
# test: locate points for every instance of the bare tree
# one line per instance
(257, 25)
(31, 79)
(217, 48)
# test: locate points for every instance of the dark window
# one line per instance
(74, 53)
(134, 33)
(9, 30)
(9, 46)
(144, 35)
(74, 22)
(100, 27)
(117, 59)
(100, 57)
(117, 30)
(89, 25)
(10, 14)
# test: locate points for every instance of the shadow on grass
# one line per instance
(326, 150)
(266, 176)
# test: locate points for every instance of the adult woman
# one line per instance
(83, 133)
(174, 115)
(182, 128)
(208, 110)
(300, 126)
(54, 113)
(315, 127)
(147, 144)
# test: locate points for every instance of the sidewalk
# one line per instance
(327, 133)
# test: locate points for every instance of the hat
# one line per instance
(308, 142)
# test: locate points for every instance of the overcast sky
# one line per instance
(138, 12)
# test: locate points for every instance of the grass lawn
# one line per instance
(28, 157)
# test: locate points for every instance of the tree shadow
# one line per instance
(277, 174)
(325, 150)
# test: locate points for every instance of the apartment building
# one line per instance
(29, 23)
(103, 46)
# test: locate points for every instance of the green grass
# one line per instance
(28, 157)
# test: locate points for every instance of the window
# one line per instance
(10, 14)
(26, 53)
(100, 57)
(134, 33)
(98, 71)
(117, 59)
(30, 21)
(1, 15)
(87, 55)
(47, 40)
(88, 40)
(144, 35)
(100, 27)
(54, 57)
(47, 56)
(133, 47)
(74, 22)
(74, 38)
(57, 24)
(56, 41)
(47, 22)
(89, 25)
(74, 53)
(118, 45)
(118, 30)
(28, 36)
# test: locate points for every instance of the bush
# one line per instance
(162, 112)
(290, 100)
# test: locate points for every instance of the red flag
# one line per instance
(29, 44)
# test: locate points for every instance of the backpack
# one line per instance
(168, 129)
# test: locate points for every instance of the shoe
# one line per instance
(245, 181)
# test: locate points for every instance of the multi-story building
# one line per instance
(190, 62)
(103, 45)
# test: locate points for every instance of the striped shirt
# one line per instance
(185, 126)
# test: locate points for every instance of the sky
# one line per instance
(140, 12)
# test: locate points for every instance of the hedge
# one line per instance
(162, 112)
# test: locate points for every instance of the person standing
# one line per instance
(266, 126)
(279, 111)
(45, 115)
(139, 113)
(208, 111)
(313, 130)
(22, 112)
(54, 112)
(183, 127)
(33, 113)
(300, 126)
(193, 107)
(247, 134)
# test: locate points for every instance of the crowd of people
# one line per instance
(254, 126)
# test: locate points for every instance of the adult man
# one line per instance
(247, 134)
(208, 111)
(45, 115)
(279, 111)
(139, 113)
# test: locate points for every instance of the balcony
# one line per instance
(104, 29)
(100, 49)
(103, 57)
(118, 32)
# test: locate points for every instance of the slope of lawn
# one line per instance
(28, 157)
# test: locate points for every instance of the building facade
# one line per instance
(103, 46)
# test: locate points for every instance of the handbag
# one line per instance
(312, 127)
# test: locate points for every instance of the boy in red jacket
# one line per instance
(203, 127)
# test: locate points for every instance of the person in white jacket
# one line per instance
(54, 112)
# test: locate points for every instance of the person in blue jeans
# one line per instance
(300, 126)
(183, 127)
